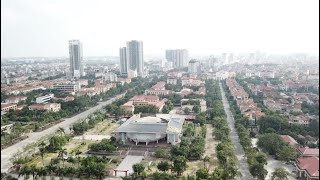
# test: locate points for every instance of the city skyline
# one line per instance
(203, 28)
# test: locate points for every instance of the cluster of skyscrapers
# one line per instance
(179, 57)
(131, 59)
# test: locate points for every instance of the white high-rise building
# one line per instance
(124, 64)
(134, 54)
(76, 58)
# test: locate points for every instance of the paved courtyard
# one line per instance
(127, 164)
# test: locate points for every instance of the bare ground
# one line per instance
(210, 148)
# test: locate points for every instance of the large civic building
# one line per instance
(151, 129)
(179, 57)
(131, 58)
(76, 58)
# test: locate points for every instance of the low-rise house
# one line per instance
(292, 142)
(158, 89)
(191, 81)
(15, 99)
(307, 168)
(54, 107)
(172, 80)
(185, 92)
(83, 82)
(175, 73)
(151, 129)
(88, 91)
(143, 100)
(300, 119)
(201, 91)
(7, 107)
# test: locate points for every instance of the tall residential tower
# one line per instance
(76, 58)
(124, 64)
(179, 57)
(131, 58)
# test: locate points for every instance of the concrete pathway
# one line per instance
(127, 164)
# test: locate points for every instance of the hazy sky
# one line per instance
(43, 27)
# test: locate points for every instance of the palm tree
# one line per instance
(280, 174)
(42, 150)
(51, 168)
(26, 171)
(42, 172)
(61, 153)
(78, 157)
(33, 170)
(205, 159)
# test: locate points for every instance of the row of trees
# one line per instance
(268, 142)
(104, 145)
(185, 149)
(256, 160)
(228, 164)
(91, 166)
(146, 109)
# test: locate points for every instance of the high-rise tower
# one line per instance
(124, 63)
(179, 57)
(76, 58)
(131, 58)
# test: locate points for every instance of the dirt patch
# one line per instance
(210, 148)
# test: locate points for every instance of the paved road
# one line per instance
(7, 154)
(244, 167)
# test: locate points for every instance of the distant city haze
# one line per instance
(44, 27)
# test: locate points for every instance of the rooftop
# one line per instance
(310, 164)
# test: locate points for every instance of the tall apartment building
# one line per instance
(76, 58)
(124, 64)
(131, 57)
(171, 55)
(194, 66)
(179, 57)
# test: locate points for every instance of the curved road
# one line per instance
(244, 167)
(7, 154)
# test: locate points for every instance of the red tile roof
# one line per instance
(290, 140)
(7, 105)
(308, 151)
(16, 97)
(310, 164)
(144, 98)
